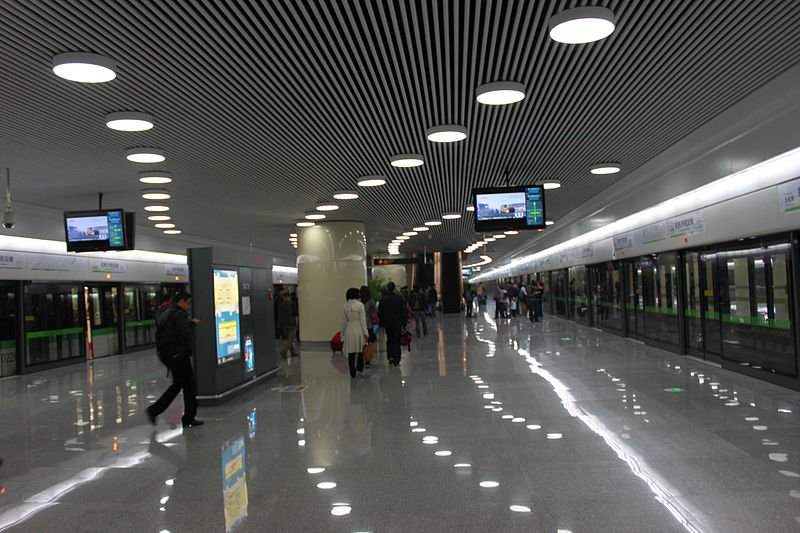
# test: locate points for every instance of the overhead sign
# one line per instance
(381, 261)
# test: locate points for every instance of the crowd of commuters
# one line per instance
(511, 300)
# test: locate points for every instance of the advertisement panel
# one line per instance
(249, 354)
(226, 314)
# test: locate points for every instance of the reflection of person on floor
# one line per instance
(174, 344)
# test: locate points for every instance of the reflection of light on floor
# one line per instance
(637, 465)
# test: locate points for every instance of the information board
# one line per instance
(226, 315)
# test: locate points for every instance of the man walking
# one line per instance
(174, 345)
(287, 322)
(393, 316)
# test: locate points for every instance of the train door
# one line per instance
(9, 321)
(703, 319)
(102, 319)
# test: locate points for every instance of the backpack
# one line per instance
(374, 317)
(162, 344)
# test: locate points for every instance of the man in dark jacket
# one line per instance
(174, 344)
(394, 315)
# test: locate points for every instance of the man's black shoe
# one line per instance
(192, 423)
(150, 416)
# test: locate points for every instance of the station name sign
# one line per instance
(382, 261)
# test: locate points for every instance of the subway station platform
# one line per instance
(485, 426)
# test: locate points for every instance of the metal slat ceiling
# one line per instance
(265, 108)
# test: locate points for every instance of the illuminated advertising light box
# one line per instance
(509, 208)
(234, 484)
(226, 315)
(249, 354)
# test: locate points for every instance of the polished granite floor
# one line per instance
(485, 426)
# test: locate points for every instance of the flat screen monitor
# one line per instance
(509, 208)
(95, 231)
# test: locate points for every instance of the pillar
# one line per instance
(331, 257)
(447, 272)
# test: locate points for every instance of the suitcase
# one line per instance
(336, 342)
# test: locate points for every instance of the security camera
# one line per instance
(9, 221)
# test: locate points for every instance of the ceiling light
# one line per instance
(154, 178)
(327, 206)
(446, 133)
(84, 67)
(605, 168)
(410, 233)
(433, 223)
(156, 194)
(293, 235)
(345, 195)
(293, 239)
(402, 238)
(159, 218)
(304, 224)
(165, 225)
(407, 160)
(582, 25)
(470, 208)
(421, 228)
(451, 216)
(489, 239)
(511, 232)
(172, 231)
(129, 121)
(156, 207)
(549, 222)
(500, 93)
(550, 184)
(481, 243)
(499, 236)
(314, 216)
(145, 155)
(371, 181)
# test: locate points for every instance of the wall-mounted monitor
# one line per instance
(507, 208)
(101, 230)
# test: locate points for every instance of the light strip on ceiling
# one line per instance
(771, 172)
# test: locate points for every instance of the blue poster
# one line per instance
(249, 354)
(226, 314)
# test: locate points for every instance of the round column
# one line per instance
(331, 257)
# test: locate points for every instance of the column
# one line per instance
(447, 272)
(331, 257)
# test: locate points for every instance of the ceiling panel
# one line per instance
(265, 108)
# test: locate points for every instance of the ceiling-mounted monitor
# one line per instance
(101, 230)
(509, 208)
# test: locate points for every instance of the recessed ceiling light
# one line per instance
(156, 194)
(304, 224)
(447, 133)
(451, 216)
(159, 218)
(489, 239)
(165, 225)
(500, 93)
(314, 216)
(156, 207)
(84, 67)
(605, 168)
(155, 178)
(145, 155)
(327, 206)
(129, 121)
(582, 25)
(470, 208)
(481, 243)
(410, 233)
(172, 231)
(371, 181)
(402, 238)
(550, 184)
(407, 160)
(549, 222)
(433, 223)
(511, 232)
(421, 228)
(293, 235)
(499, 236)
(345, 195)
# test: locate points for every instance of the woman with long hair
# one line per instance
(354, 331)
